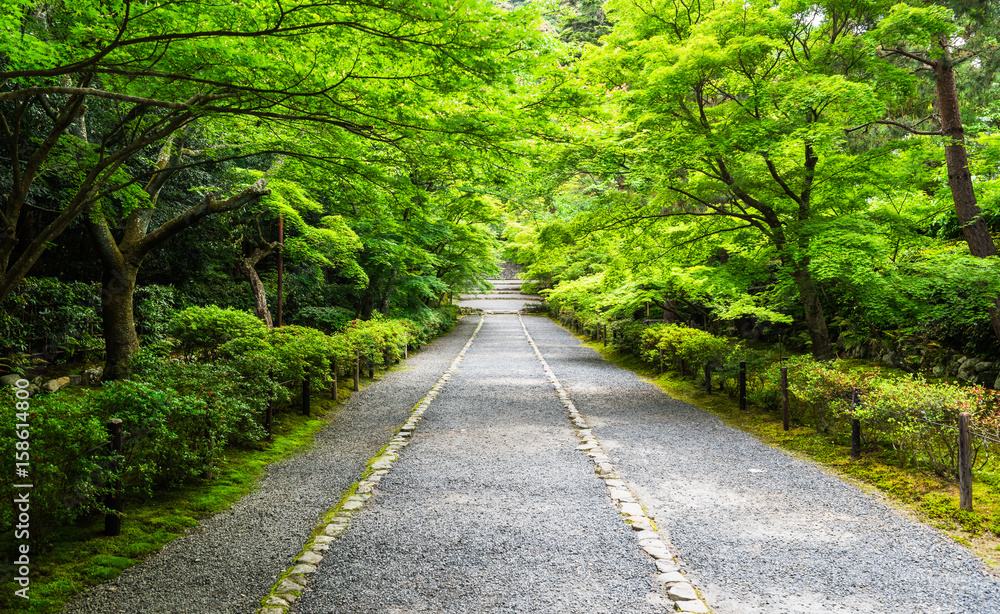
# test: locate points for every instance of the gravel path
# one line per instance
(231, 560)
(490, 509)
(757, 531)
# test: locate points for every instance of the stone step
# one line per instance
(516, 297)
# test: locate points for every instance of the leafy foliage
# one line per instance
(205, 329)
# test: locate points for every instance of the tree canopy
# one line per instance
(818, 171)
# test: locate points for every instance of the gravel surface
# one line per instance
(231, 560)
(757, 531)
(489, 509)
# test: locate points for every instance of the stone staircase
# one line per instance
(505, 297)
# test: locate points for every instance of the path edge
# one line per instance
(679, 590)
(293, 581)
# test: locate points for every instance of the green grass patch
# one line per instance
(928, 498)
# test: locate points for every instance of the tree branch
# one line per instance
(888, 122)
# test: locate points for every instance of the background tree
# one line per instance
(89, 89)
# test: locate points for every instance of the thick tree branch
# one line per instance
(888, 122)
(196, 213)
(778, 179)
(28, 92)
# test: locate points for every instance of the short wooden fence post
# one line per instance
(855, 427)
(306, 392)
(605, 335)
(334, 390)
(784, 398)
(269, 411)
(357, 373)
(964, 463)
(113, 500)
(743, 385)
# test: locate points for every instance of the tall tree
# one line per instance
(936, 41)
(735, 114)
(91, 87)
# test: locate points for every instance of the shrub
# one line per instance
(154, 309)
(47, 316)
(917, 419)
(626, 335)
(327, 319)
(695, 347)
(68, 459)
(203, 329)
(299, 349)
(820, 390)
(426, 323)
(177, 420)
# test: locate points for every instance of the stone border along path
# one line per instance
(290, 585)
(679, 590)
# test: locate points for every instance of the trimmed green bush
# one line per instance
(327, 319)
(202, 330)
(66, 449)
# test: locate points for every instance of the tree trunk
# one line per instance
(669, 311)
(367, 304)
(384, 301)
(246, 267)
(123, 257)
(815, 320)
(120, 338)
(974, 229)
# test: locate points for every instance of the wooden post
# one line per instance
(661, 361)
(784, 397)
(357, 373)
(334, 390)
(855, 428)
(708, 379)
(269, 417)
(683, 368)
(743, 385)
(964, 463)
(113, 500)
(269, 411)
(605, 335)
(306, 392)
(281, 262)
